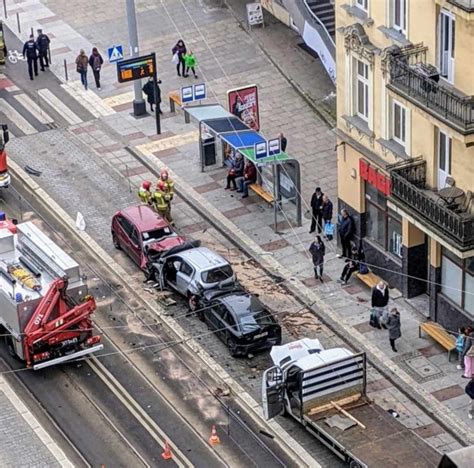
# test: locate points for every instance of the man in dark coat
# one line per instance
(326, 211)
(346, 232)
(150, 94)
(316, 210)
(380, 297)
(317, 250)
(394, 328)
(30, 51)
(42, 44)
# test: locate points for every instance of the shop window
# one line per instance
(457, 280)
(383, 225)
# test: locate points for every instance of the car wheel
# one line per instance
(116, 241)
(232, 346)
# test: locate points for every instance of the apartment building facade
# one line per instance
(405, 128)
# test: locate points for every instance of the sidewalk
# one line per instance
(420, 364)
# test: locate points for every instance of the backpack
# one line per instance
(363, 269)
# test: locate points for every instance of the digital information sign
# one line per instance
(136, 68)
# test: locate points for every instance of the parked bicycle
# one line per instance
(14, 56)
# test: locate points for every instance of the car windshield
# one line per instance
(156, 234)
(216, 275)
(250, 322)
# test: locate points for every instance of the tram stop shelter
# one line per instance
(222, 135)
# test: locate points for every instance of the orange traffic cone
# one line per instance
(167, 451)
(214, 439)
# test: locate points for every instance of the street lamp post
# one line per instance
(138, 101)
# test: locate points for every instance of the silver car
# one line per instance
(190, 270)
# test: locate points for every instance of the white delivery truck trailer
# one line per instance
(325, 391)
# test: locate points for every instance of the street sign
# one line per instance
(199, 91)
(187, 94)
(254, 14)
(261, 150)
(274, 147)
(136, 68)
(115, 53)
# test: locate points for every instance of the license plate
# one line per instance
(3, 177)
(260, 335)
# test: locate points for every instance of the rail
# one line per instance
(453, 107)
(311, 12)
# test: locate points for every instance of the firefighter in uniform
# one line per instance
(168, 185)
(144, 192)
(42, 44)
(30, 51)
(160, 202)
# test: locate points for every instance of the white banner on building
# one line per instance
(313, 39)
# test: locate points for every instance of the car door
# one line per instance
(123, 232)
(135, 247)
(184, 277)
(272, 392)
(215, 318)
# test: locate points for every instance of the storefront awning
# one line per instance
(244, 139)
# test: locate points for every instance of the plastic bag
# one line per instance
(329, 230)
(374, 319)
(175, 58)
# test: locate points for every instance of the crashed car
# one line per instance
(190, 270)
(143, 234)
(239, 319)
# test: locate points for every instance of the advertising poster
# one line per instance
(243, 103)
(254, 14)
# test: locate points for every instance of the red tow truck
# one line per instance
(45, 307)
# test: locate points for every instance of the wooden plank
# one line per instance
(328, 406)
(345, 413)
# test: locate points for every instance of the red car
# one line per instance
(141, 232)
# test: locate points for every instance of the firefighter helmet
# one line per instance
(146, 184)
(160, 185)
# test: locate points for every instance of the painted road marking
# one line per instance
(16, 118)
(170, 142)
(61, 108)
(93, 103)
(31, 106)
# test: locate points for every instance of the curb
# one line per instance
(400, 379)
(292, 448)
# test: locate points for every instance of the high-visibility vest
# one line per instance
(144, 195)
(159, 201)
(169, 188)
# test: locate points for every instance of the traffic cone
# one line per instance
(214, 439)
(167, 455)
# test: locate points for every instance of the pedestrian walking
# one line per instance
(283, 142)
(346, 233)
(466, 357)
(30, 51)
(470, 393)
(380, 298)
(317, 250)
(352, 265)
(316, 210)
(460, 340)
(179, 51)
(81, 67)
(326, 211)
(149, 89)
(42, 44)
(394, 328)
(236, 171)
(249, 177)
(190, 62)
(95, 62)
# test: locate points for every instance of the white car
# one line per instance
(5, 180)
(190, 270)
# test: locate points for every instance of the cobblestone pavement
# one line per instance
(310, 141)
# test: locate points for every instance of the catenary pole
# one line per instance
(138, 101)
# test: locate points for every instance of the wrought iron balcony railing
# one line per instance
(408, 189)
(455, 110)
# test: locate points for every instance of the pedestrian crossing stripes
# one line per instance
(66, 113)
(16, 118)
(39, 114)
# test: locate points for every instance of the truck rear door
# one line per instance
(272, 392)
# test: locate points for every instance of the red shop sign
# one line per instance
(375, 178)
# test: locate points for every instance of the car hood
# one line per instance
(165, 244)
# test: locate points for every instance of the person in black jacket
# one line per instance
(95, 62)
(346, 233)
(316, 210)
(352, 265)
(380, 298)
(30, 51)
(42, 44)
(317, 250)
(150, 94)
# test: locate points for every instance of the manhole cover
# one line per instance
(418, 367)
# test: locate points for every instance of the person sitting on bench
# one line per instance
(249, 178)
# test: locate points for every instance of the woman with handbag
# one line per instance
(81, 67)
(236, 170)
(179, 51)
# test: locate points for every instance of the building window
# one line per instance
(362, 4)
(446, 44)
(399, 15)
(383, 225)
(444, 158)
(457, 280)
(399, 122)
(362, 90)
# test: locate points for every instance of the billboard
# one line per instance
(243, 103)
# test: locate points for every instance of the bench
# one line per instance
(370, 279)
(440, 335)
(260, 191)
(175, 99)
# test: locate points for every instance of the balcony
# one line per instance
(409, 191)
(466, 5)
(413, 82)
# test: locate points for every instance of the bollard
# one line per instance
(5, 9)
(18, 22)
(65, 69)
